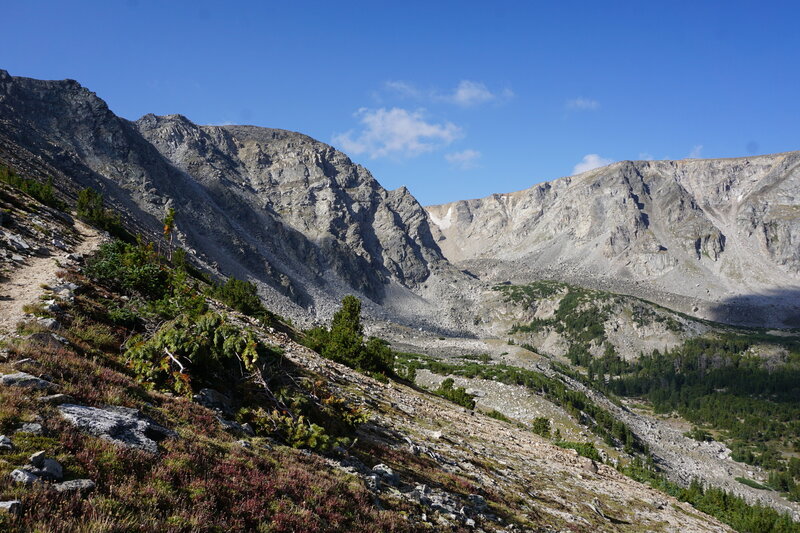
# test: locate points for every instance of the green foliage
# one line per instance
(586, 449)
(242, 296)
(497, 415)
(189, 350)
(580, 406)
(541, 426)
(699, 434)
(751, 483)
(344, 342)
(718, 503)
(90, 208)
(43, 192)
(457, 395)
(129, 268)
(721, 383)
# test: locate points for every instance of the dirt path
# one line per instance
(23, 285)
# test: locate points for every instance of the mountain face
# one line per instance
(292, 214)
(716, 237)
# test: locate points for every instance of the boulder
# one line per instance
(23, 379)
(121, 425)
(76, 485)
(10, 507)
(56, 399)
(23, 476)
(212, 399)
(31, 427)
(5, 443)
(386, 474)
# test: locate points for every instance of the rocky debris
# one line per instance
(235, 427)
(23, 477)
(5, 443)
(56, 399)
(83, 486)
(23, 379)
(43, 467)
(213, 399)
(33, 428)
(11, 507)
(121, 425)
(25, 361)
(386, 474)
(49, 341)
(49, 323)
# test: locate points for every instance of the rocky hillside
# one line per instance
(719, 238)
(290, 213)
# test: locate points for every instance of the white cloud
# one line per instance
(403, 88)
(464, 160)
(396, 132)
(695, 153)
(582, 104)
(644, 156)
(469, 93)
(466, 94)
(591, 161)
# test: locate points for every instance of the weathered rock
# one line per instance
(236, 428)
(386, 474)
(5, 443)
(56, 399)
(23, 379)
(121, 425)
(34, 428)
(11, 507)
(212, 399)
(83, 486)
(49, 323)
(49, 341)
(37, 459)
(24, 477)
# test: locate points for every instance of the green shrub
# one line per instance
(586, 449)
(191, 350)
(344, 342)
(90, 208)
(43, 192)
(457, 395)
(541, 426)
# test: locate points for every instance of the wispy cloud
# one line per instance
(582, 104)
(590, 162)
(695, 153)
(463, 160)
(396, 132)
(467, 93)
(644, 156)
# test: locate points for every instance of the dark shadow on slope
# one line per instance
(777, 308)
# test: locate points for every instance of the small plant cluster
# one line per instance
(90, 208)
(580, 406)
(43, 192)
(344, 341)
(457, 395)
(724, 506)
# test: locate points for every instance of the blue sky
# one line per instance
(454, 100)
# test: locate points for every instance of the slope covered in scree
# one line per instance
(716, 237)
(291, 213)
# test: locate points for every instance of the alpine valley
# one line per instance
(210, 328)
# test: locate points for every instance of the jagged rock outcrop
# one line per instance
(724, 232)
(277, 207)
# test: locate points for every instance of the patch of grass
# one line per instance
(752, 483)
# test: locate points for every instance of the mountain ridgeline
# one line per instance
(715, 238)
(718, 238)
(277, 207)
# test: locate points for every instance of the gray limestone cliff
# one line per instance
(277, 207)
(718, 237)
